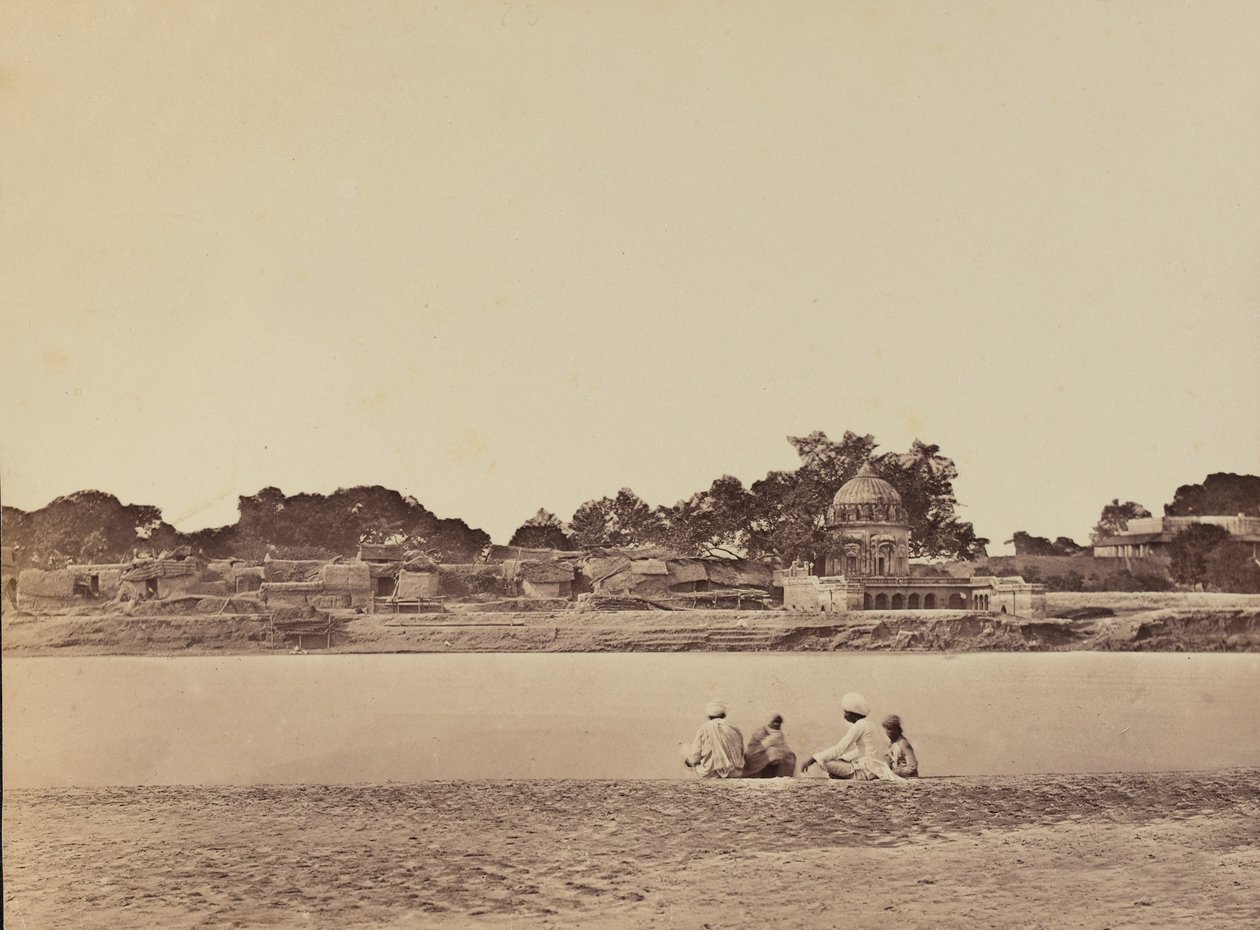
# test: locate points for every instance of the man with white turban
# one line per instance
(863, 752)
(718, 749)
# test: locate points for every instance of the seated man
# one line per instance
(718, 749)
(863, 752)
(767, 754)
(901, 758)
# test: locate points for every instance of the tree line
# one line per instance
(777, 517)
(95, 526)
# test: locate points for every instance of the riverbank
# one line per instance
(1089, 622)
(1062, 851)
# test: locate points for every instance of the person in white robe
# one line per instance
(862, 753)
(718, 749)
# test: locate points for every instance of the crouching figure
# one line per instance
(767, 754)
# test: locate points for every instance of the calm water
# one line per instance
(375, 718)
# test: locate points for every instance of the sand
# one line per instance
(1092, 851)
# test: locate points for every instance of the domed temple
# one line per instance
(869, 529)
(867, 565)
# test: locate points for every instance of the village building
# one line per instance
(384, 579)
(99, 581)
(1151, 536)
(656, 574)
(237, 575)
(546, 579)
(162, 578)
(868, 564)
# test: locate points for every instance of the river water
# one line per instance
(377, 718)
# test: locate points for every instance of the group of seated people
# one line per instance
(866, 752)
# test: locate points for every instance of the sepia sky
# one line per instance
(507, 255)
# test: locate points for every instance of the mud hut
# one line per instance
(38, 589)
(405, 584)
(99, 581)
(160, 579)
(289, 594)
(657, 574)
(346, 584)
(280, 570)
(547, 579)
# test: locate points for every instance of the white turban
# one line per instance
(715, 709)
(854, 703)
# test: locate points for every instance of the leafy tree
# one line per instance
(337, 523)
(1189, 551)
(1231, 567)
(1065, 546)
(542, 531)
(624, 520)
(781, 515)
(924, 478)
(785, 519)
(716, 521)
(1220, 495)
(1115, 517)
(590, 523)
(1026, 544)
(81, 526)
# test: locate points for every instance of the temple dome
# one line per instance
(866, 487)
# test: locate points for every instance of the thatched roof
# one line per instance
(38, 583)
(633, 552)
(681, 572)
(419, 562)
(546, 572)
(143, 571)
(601, 568)
(736, 573)
(649, 567)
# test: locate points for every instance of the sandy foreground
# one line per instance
(1096, 851)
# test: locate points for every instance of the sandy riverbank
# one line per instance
(1139, 623)
(1050, 851)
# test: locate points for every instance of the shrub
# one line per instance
(1230, 567)
(1068, 581)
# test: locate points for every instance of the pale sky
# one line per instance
(504, 256)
